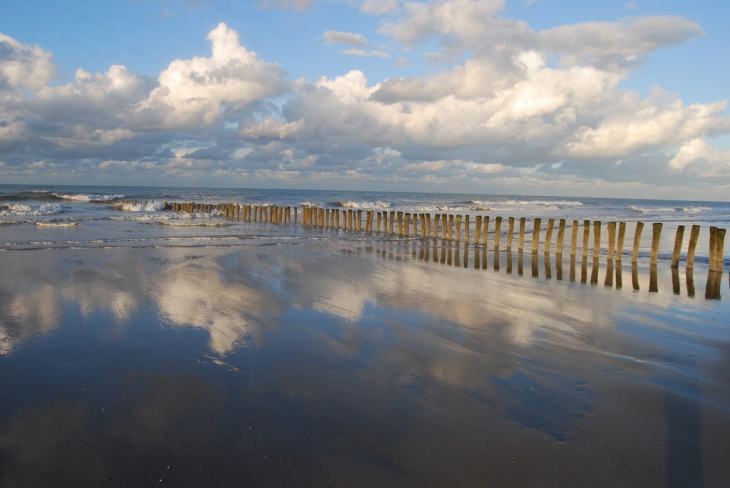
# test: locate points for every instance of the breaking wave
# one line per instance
(19, 209)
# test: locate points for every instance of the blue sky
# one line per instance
(607, 98)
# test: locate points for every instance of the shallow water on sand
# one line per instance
(358, 364)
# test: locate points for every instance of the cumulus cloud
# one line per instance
(338, 37)
(25, 66)
(517, 105)
(379, 7)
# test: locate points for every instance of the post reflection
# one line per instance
(548, 269)
(457, 261)
(635, 276)
(559, 266)
(520, 261)
(477, 260)
(690, 283)
(572, 267)
(594, 271)
(714, 282)
(466, 256)
(619, 275)
(495, 259)
(509, 261)
(675, 281)
(608, 281)
(653, 282)
(584, 269)
(533, 261)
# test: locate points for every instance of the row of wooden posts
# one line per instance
(395, 222)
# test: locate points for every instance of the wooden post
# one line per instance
(377, 224)
(466, 232)
(415, 225)
(407, 224)
(574, 238)
(637, 242)
(713, 245)
(436, 220)
(451, 227)
(694, 236)
(485, 230)
(392, 219)
(443, 227)
(497, 232)
(611, 239)
(596, 239)
(428, 225)
(358, 223)
(536, 236)
(620, 245)
(400, 223)
(561, 238)
(678, 239)
(720, 254)
(586, 236)
(549, 236)
(510, 233)
(458, 228)
(656, 237)
(385, 222)
(478, 231)
(521, 239)
(295, 215)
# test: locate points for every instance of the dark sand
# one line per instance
(344, 365)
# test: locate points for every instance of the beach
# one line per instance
(315, 366)
(264, 354)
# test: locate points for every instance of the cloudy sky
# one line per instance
(543, 97)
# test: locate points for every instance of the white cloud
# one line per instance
(702, 158)
(338, 37)
(22, 65)
(379, 7)
(401, 62)
(372, 53)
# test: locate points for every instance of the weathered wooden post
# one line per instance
(466, 232)
(694, 236)
(392, 221)
(720, 255)
(678, 239)
(497, 232)
(451, 227)
(657, 234)
(485, 230)
(549, 236)
(510, 232)
(400, 223)
(295, 215)
(458, 228)
(385, 222)
(423, 226)
(377, 224)
(406, 223)
(536, 237)
(596, 239)
(620, 245)
(428, 225)
(586, 236)
(478, 231)
(443, 227)
(358, 223)
(637, 242)
(611, 239)
(559, 245)
(521, 239)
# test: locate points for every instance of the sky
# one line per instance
(532, 97)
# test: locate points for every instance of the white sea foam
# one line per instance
(19, 209)
(176, 223)
(692, 209)
(56, 224)
(307, 204)
(87, 198)
(364, 205)
(142, 207)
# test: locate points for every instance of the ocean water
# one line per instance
(42, 217)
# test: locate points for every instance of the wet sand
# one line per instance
(352, 365)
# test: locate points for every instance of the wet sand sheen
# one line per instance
(353, 365)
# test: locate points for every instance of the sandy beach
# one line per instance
(350, 364)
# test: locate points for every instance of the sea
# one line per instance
(39, 217)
